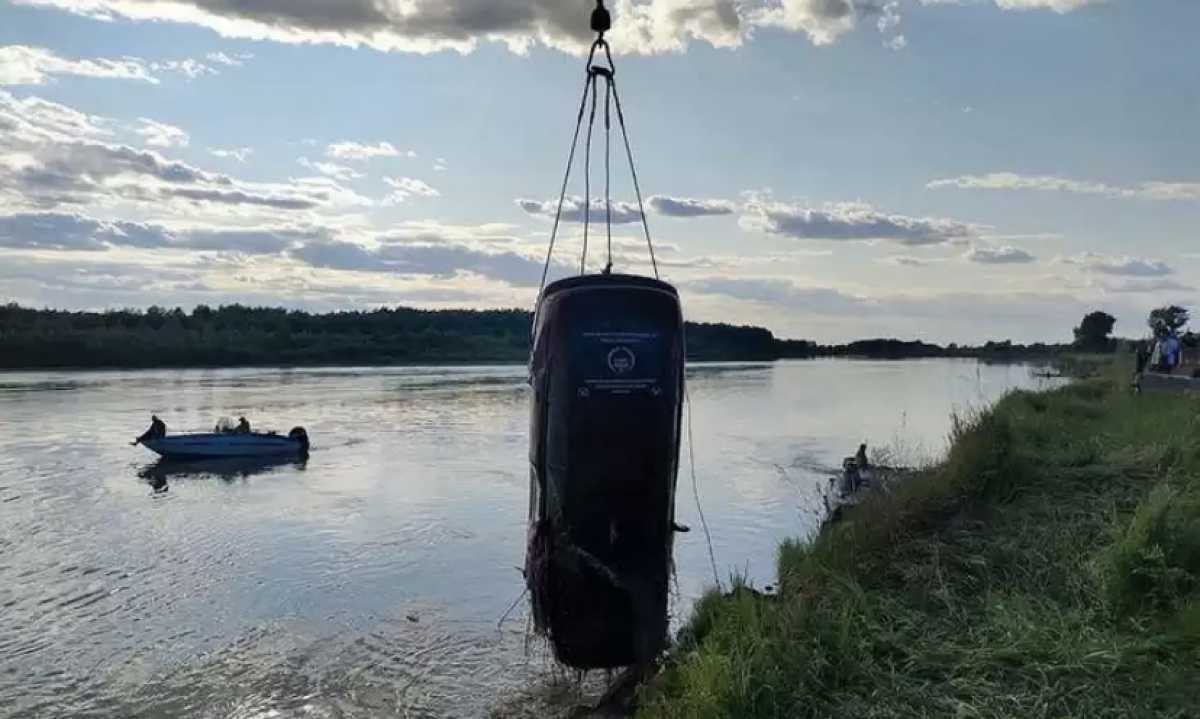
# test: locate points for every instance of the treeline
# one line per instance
(236, 335)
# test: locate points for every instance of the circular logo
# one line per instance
(621, 360)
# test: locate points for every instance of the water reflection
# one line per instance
(227, 469)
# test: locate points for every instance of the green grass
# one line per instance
(1049, 567)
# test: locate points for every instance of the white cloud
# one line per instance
(1156, 190)
(52, 156)
(1169, 191)
(910, 261)
(74, 231)
(33, 119)
(642, 26)
(1119, 265)
(1059, 6)
(650, 26)
(850, 221)
(406, 187)
(341, 173)
(1153, 286)
(359, 151)
(160, 134)
(189, 68)
(439, 165)
(221, 58)
(690, 207)
(241, 154)
(573, 210)
(444, 258)
(778, 291)
(1005, 255)
(24, 65)
(823, 21)
(889, 24)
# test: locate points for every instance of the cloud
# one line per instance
(1059, 6)
(850, 221)
(73, 231)
(358, 151)
(439, 165)
(821, 300)
(689, 207)
(33, 119)
(406, 187)
(1118, 265)
(160, 134)
(342, 173)
(910, 261)
(437, 260)
(651, 26)
(1179, 191)
(253, 241)
(1147, 286)
(572, 210)
(221, 58)
(51, 156)
(823, 21)
(241, 154)
(889, 24)
(55, 231)
(25, 65)
(1006, 255)
(189, 68)
(641, 26)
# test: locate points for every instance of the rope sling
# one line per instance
(601, 23)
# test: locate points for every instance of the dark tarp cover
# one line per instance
(607, 375)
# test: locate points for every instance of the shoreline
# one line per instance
(1047, 360)
(1046, 567)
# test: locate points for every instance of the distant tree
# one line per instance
(1165, 320)
(1093, 333)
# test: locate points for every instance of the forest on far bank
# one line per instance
(236, 335)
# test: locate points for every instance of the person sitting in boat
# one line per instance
(158, 429)
(243, 426)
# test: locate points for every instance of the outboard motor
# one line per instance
(299, 433)
(607, 375)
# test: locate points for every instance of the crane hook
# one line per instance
(601, 20)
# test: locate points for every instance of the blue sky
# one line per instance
(951, 170)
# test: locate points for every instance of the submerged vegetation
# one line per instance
(1049, 567)
(235, 335)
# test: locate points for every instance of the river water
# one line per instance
(369, 581)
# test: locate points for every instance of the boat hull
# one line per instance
(212, 446)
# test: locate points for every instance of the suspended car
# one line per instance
(607, 375)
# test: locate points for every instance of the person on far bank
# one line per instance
(158, 429)
(860, 458)
(1142, 353)
(1172, 349)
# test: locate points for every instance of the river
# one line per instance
(369, 581)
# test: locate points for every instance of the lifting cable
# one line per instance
(600, 23)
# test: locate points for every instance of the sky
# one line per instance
(951, 170)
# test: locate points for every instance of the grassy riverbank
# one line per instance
(1050, 567)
